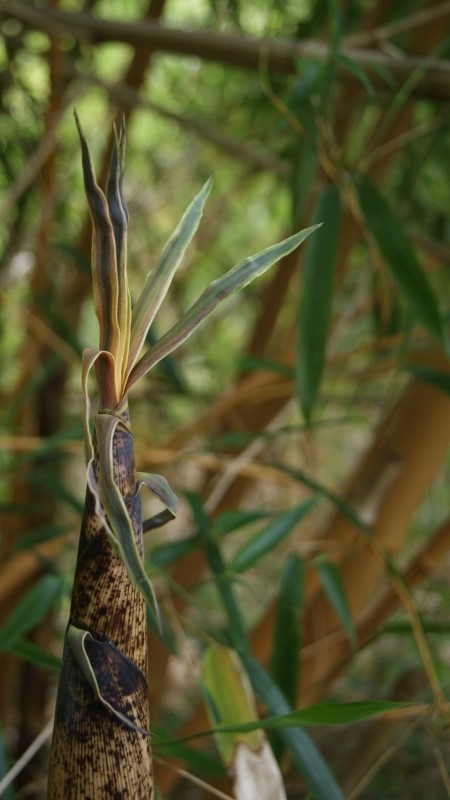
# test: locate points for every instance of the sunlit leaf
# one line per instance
(228, 686)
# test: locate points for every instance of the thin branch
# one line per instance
(26, 757)
(234, 49)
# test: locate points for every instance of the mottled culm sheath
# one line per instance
(101, 740)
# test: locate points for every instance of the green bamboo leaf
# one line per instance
(437, 378)
(231, 521)
(265, 541)
(197, 760)
(30, 610)
(305, 754)
(400, 257)
(159, 279)
(316, 299)
(214, 294)
(352, 66)
(28, 651)
(335, 590)
(41, 534)
(320, 715)
(324, 714)
(287, 640)
(166, 554)
(118, 684)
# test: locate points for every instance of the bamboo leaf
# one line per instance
(352, 66)
(316, 299)
(214, 294)
(286, 645)
(231, 521)
(118, 684)
(166, 555)
(265, 541)
(118, 214)
(436, 377)
(320, 715)
(335, 591)
(104, 260)
(400, 257)
(229, 698)
(30, 610)
(159, 279)
(304, 752)
(28, 651)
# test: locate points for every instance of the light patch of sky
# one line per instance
(194, 13)
(120, 10)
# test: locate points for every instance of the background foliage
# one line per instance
(305, 428)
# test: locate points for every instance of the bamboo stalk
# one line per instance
(94, 754)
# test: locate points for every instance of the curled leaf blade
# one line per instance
(117, 683)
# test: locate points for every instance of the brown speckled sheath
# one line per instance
(94, 756)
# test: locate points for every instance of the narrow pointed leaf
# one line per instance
(287, 639)
(441, 380)
(30, 610)
(104, 269)
(305, 754)
(316, 298)
(118, 214)
(166, 554)
(335, 591)
(265, 541)
(400, 257)
(246, 754)
(28, 651)
(214, 294)
(118, 684)
(159, 280)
